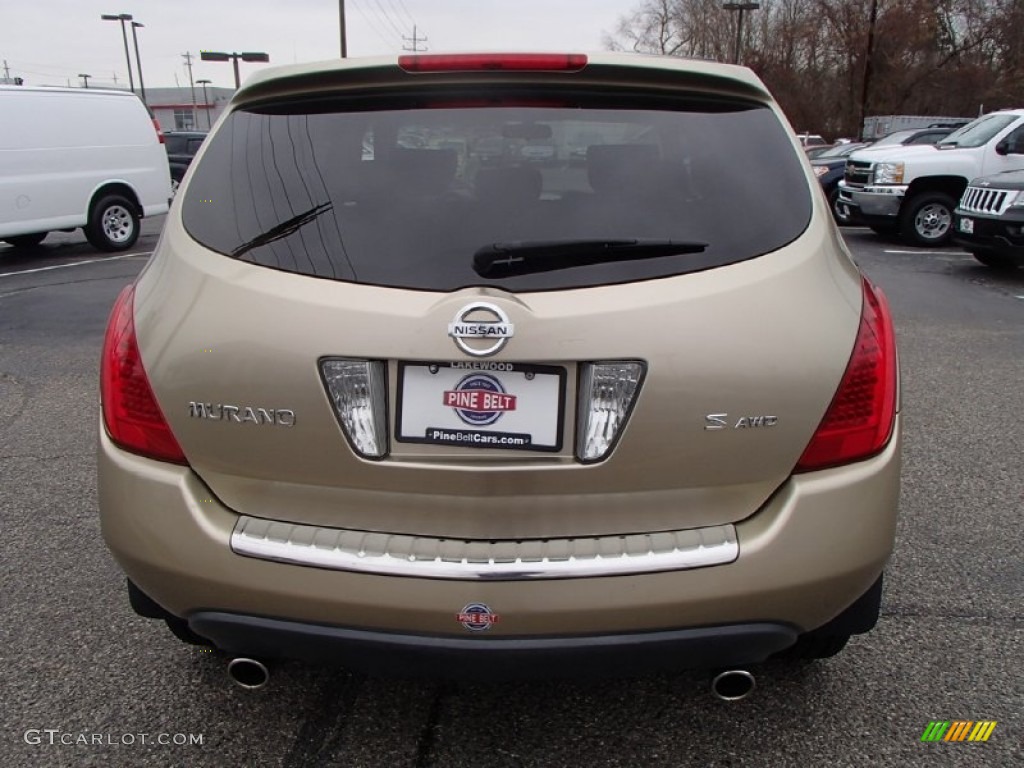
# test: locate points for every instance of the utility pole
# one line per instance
(415, 40)
(85, 79)
(867, 67)
(341, 24)
(187, 56)
(6, 80)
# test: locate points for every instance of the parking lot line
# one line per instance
(931, 253)
(75, 264)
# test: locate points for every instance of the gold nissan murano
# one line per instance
(502, 365)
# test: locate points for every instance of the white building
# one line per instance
(176, 111)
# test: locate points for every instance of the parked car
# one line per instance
(830, 173)
(829, 167)
(77, 157)
(812, 140)
(989, 221)
(878, 126)
(509, 422)
(913, 190)
(920, 136)
(910, 137)
(817, 150)
(181, 148)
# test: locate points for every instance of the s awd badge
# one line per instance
(716, 421)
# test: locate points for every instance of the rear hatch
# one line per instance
(617, 316)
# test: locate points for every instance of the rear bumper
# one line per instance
(814, 548)
(384, 653)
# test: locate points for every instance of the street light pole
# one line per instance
(206, 104)
(138, 59)
(123, 17)
(341, 23)
(248, 56)
(741, 7)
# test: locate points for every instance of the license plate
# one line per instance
(967, 226)
(510, 406)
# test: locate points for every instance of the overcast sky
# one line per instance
(49, 41)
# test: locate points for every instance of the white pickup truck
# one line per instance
(914, 190)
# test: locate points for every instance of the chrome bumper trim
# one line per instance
(874, 200)
(435, 558)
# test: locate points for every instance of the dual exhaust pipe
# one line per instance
(733, 684)
(730, 685)
(250, 674)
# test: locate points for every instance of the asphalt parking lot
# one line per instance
(87, 683)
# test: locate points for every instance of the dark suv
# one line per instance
(989, 221)
(181, 148)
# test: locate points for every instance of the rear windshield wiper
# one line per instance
(282, 230)
(529, 256)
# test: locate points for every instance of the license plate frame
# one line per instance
(481, 405)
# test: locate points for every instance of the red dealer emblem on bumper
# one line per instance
(477, 617)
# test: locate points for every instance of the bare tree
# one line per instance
(940, 57)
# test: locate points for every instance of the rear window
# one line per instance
(403, 192)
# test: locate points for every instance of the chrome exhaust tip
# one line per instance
(733, 684)
(248, 673)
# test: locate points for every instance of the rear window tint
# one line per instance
(403, 192)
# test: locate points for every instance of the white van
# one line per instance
(73, 157)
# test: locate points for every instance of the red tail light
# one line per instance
(159, 133)
(132, 417)
(859, 421)
(513, 62)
